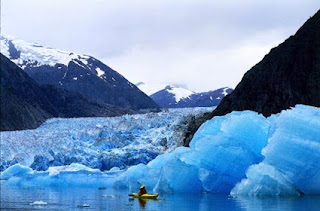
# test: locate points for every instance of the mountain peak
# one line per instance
(169, 87)
(75, 72)
(36, 54)
(178, 97)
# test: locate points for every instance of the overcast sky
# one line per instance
(202, 45)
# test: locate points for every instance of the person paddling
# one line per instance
(142, 190)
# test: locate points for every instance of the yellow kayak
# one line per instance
(145, 196)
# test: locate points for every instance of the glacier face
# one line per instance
(241, 153)
(100, 143)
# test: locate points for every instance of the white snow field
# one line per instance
(179, 92)
(33, 52)
(100, 143)
(241, 153)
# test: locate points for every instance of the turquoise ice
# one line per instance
(242, 153)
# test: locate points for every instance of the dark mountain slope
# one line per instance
(21, 106)
(72, 104)
(25, 104)
(288, 75)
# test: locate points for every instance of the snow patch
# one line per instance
(179, 93)
(224, 92)
(100, 72)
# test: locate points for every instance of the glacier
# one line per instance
(241, 153)
(101, 143)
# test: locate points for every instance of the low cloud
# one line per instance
(201, 44)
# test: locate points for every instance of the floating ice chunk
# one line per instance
(15, 170)
(74, 175)
(84, 205)
(53, 171)
(37, 203)
(108, 196)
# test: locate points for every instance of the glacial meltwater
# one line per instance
(73, 198)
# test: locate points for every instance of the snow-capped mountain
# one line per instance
(177, 97)
(75, 72)
(25, 104)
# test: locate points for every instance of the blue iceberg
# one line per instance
(241, 153)
(221, 151)
(15, 170)
(292, 157)
(279, 155)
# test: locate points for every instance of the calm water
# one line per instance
(109, 199)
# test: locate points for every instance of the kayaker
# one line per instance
(142, 190)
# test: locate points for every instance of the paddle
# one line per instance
(130, 194)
